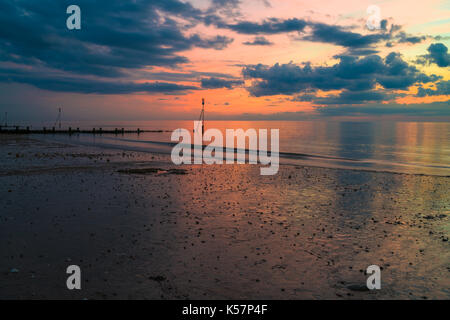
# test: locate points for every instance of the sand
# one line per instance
(139, 229)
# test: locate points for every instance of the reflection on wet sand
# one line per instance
(215, 231)
(311, 233)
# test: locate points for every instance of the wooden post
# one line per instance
(115, 130)
(70, 130)
(93, 130)
(53, 129)
(139, 131)
(123, 130)
(28, 129)
(100, 130)
(43, 129)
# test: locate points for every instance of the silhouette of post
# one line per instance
(203, 115)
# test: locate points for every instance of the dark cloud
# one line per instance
(303, 97)
(324, 33)
(358, 52)
(442, 88)
(226, 3)
(229, 8)
(216, 83)
(269, 26)
(217, 42)
(359, 44)
(320, 32)
(354, 97)
(258, 41)
(438, 54)
(405, 38)
(182, 76)
(339, 36)
(115, 35)
(383, 24)
(355, 76)
(119, 39)
(88, 86)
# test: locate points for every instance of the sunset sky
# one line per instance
(250, 59)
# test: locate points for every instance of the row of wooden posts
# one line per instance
(18, 129)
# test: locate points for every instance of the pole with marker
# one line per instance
(203, 115)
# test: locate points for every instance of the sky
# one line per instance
(249, 59)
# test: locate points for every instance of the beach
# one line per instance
(141, 228)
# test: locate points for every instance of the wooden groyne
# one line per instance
(70, 130)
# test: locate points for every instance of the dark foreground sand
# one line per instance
(214, 232)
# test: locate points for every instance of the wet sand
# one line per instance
(141, 230)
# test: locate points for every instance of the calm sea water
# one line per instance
(409, 147)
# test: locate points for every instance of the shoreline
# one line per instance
(283, 161)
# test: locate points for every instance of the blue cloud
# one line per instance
(269, 26)
(89, 86)
(216, 83)
(114, 35)
(442, 88)
(258, 41)
(438, 54)
(339, 36)
(351, 74)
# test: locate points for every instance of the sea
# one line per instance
(391, 146)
